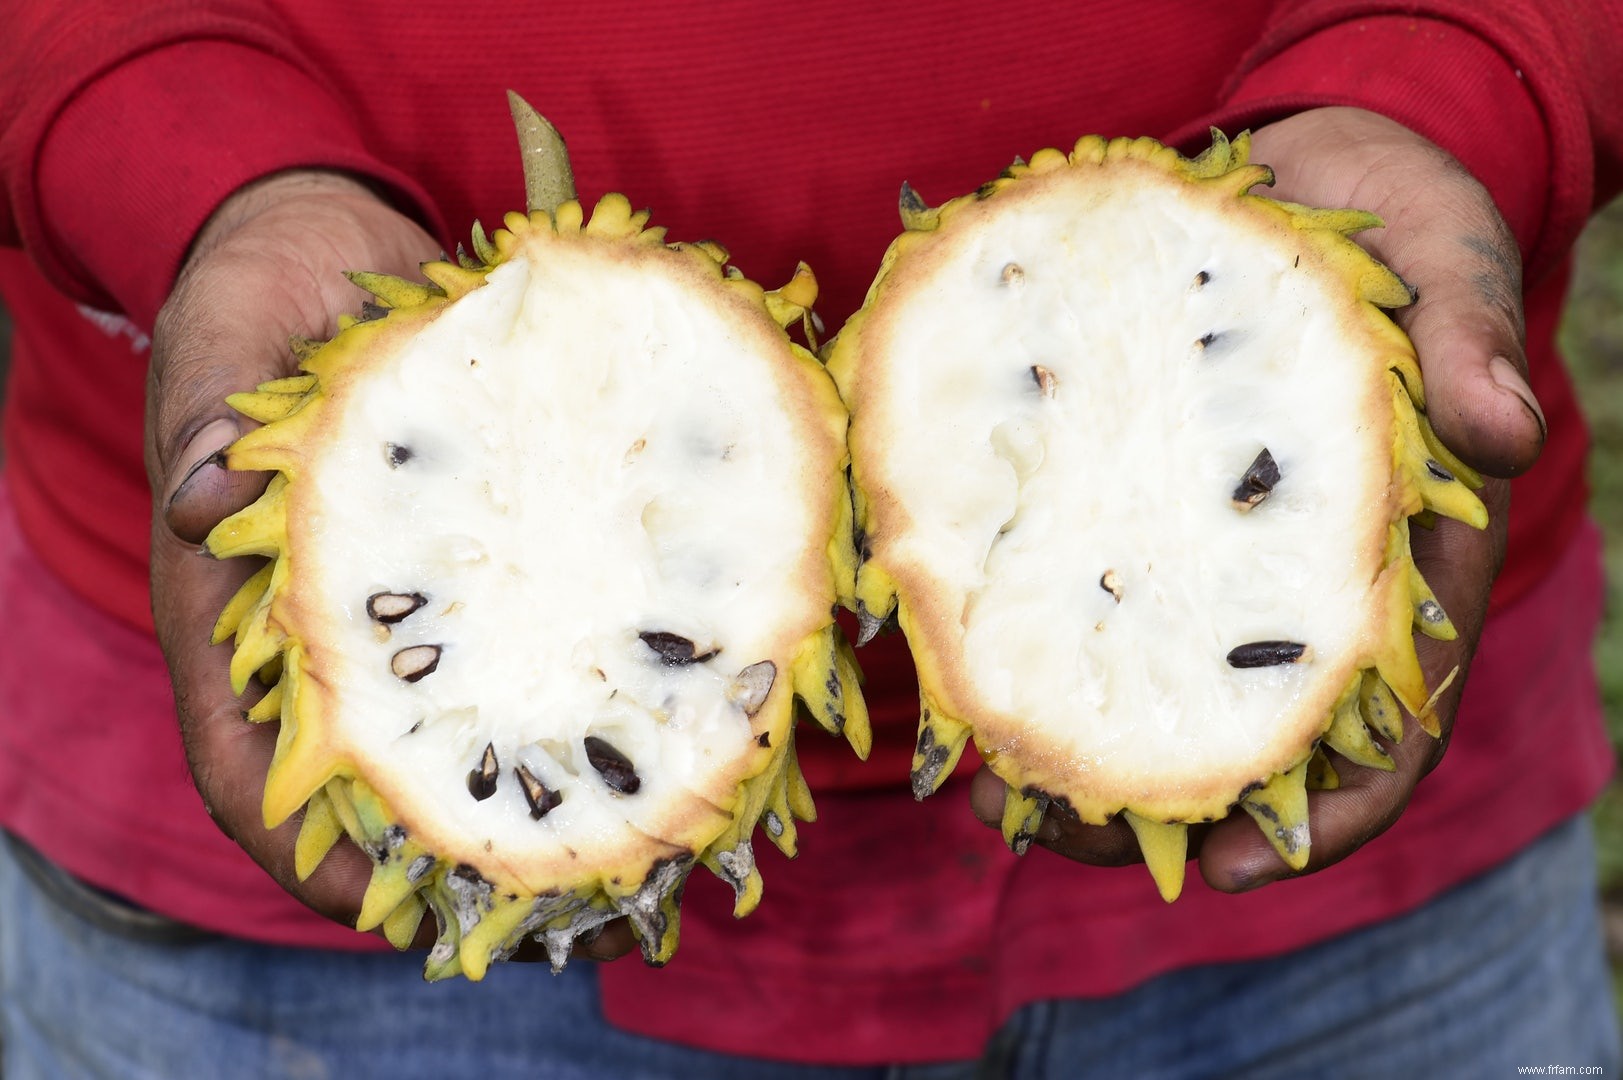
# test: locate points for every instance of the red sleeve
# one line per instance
(131, 123)
(1524, 92)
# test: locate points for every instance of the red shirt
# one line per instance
(903, 931)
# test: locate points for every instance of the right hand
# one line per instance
(268, 265)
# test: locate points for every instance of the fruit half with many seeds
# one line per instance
(1135, 456)
(555, 540)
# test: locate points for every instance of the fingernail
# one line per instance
(1506, 376)
(206, 450)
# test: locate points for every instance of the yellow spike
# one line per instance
(1242, 179)
(396, 292)
(941, 743)
(492, 935)
(567, 217)
(794, 299)
(1345, 222)
(257, 641)
(1090, 149)
(1394, 657)
(318, 832)
(1166, 850)
(797, 793)
(611, 217)
(258, 529)
(1350, 738)
(778, 821)
(301, 766)
(858, 731)
(1379, 707)
(1240, 149)
(455, 280)
(483, 249)
(237, 608)
(1279, 808)
(266, 408)
(1048, 159)
(1436, 485)
(916, 214)
(1216, 159)
(292, 384)
(815, 672)
(400, 928)
(268, 707)
(749, 897)
(1381, 287)
(1429, 617)
(1321, 775)
(1446, 457)
(747, 890)
(1022, 815)
(386, 890)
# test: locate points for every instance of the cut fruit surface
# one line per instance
(556, 542)
(1134, 454)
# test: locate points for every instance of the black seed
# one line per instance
(390, 608)
(1259, 479)
(613, 766)
(482, 781)
(371, 312)
(1256, 654)
(396, 455)
(1297, 263)
(1044, 379)
(1110, 582)
(1201, 279)
(1012, 274)
(674, 650)
(542, 800)
(1438, 471)
(1206, 339)
(764, 739)
(413, 663)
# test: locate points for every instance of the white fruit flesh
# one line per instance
(1076, 375)
(577, 453)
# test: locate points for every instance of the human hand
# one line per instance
(267, 266)
(1445, 238)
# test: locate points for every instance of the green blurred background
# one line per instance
(1592, 335)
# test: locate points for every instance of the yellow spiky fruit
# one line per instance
(555, 540)
(1134, 454)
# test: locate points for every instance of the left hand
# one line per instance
(1444, 237)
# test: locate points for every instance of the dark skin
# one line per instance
(268, 265)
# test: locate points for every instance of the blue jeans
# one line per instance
(1505, 970)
